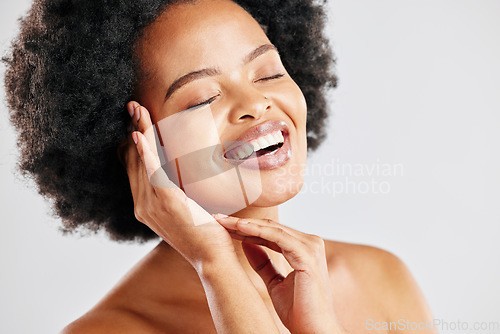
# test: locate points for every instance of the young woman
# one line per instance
(258, 68)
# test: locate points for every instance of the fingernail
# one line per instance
(130, 108)
(138, 113)
(134, 137)
(243, 222)
(220, 216)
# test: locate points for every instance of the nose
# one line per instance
(249, 103)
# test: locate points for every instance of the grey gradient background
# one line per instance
(419, 86)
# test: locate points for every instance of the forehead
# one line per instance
(192, 36)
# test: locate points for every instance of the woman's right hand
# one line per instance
(163, 206)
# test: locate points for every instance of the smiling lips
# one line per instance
(267, 143)
(263, 138)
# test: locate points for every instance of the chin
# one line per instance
(283, 183)
(279, 189)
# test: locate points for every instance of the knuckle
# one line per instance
(276, 279)
(317, 244)
(138, 213)
(142, 213)
(280, 234)
(270, 221)
(238, 222)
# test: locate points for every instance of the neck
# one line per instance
(166, 268)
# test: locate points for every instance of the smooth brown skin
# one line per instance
(173, 290)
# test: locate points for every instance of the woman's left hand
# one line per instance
(303, 299)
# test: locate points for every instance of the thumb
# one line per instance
(262, 264)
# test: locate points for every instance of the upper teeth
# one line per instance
(244, 151)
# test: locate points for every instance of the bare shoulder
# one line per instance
(376, 278)
(109, 322)
(368, 261)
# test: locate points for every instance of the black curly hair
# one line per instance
(71, 72)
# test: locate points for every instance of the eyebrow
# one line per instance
(212, 71)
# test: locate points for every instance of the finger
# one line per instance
(133, 165)
(231, 222)
(293, 249)
(133, 160)
(150, 160)
(144, 124)
(142, 120)
(254, 240)
(155, 173)
(132, 110)
(141, 190)
(263, 265)
(131, 156)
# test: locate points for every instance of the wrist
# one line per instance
(215, 266)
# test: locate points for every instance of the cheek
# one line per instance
(188, 132)
(292, 101)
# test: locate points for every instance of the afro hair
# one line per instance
(71, 71)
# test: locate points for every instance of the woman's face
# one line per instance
(211, 77)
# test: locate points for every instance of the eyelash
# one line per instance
(212, 99)
(276, 76)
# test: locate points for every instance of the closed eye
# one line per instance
(212, 99)
(276, 76)
(201, 104)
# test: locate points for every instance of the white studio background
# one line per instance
(416, 114)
